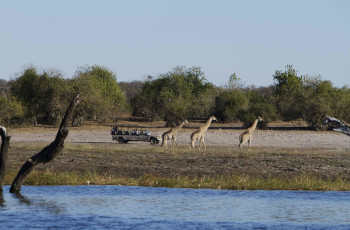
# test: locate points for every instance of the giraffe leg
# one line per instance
(193, 140)
(202, 141)
(164, 141)
(243, 141)
(249, 143)
(164, 144)
(174, 142)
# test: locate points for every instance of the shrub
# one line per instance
(11, 110)
(230, 104)
(182, 93)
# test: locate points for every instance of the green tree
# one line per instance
(259, 105)
(289, 86)
(317, 96)
(11, 110)
(309, 98)
(176, 95)
(340, 103)
(234, 82)
(230, 104)
(43, 95)
(102, 98)
(27, 89)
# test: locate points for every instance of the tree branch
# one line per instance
(48, 153)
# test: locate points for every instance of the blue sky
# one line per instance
(137, 38)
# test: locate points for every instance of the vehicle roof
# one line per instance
(128, 126)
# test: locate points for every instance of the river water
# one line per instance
(121, 207)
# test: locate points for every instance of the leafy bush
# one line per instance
(230, 104)
(182, 93)
(44, 96)
(288, 88)
(11, 110)
(102, 98)
(259, 106)
(317, 98)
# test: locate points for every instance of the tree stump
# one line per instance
(48, 153)
(5, 142)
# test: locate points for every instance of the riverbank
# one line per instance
(217, 167)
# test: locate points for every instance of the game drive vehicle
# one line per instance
(124, 134)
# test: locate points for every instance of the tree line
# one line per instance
(182, 93)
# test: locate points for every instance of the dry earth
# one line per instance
(283, 152)
(214, 137)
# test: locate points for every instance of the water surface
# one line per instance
(120, 207)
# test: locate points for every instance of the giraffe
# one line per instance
(248, 134)
(171, 134)
(200, 133)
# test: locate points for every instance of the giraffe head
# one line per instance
(260, 119)
(213, 118)
(185, 121)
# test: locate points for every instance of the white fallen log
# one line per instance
(341, 127)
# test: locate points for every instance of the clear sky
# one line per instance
(137, 38)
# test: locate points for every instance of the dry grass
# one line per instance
(235, 182)
(243, 177)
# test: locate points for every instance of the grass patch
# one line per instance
(217, 167)
(233, 182)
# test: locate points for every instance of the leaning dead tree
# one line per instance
(341, 126)
(5, 142)
(48, 153)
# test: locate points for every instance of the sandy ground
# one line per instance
(214, 137)
(327, 154)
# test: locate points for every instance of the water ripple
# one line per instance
(105, 207)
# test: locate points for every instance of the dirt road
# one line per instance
(214, 137)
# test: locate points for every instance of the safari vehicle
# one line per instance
(124, 134)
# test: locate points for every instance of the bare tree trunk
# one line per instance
(5, 142)
(48, 153)
(342, 126)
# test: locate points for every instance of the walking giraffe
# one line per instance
(248, 134)
(171, 134)
(200, 133)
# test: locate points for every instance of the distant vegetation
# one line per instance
(182, 93)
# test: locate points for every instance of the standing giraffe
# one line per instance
(248, 134)
(171, 134)
(200, 133)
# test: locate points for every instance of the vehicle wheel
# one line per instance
(154, 141)
(122, 140)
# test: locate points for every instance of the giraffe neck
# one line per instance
(206, 126)
(179, 126)
(253, 127)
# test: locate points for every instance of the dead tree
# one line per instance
(5, 142)
(341, 126)
(48, 153)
